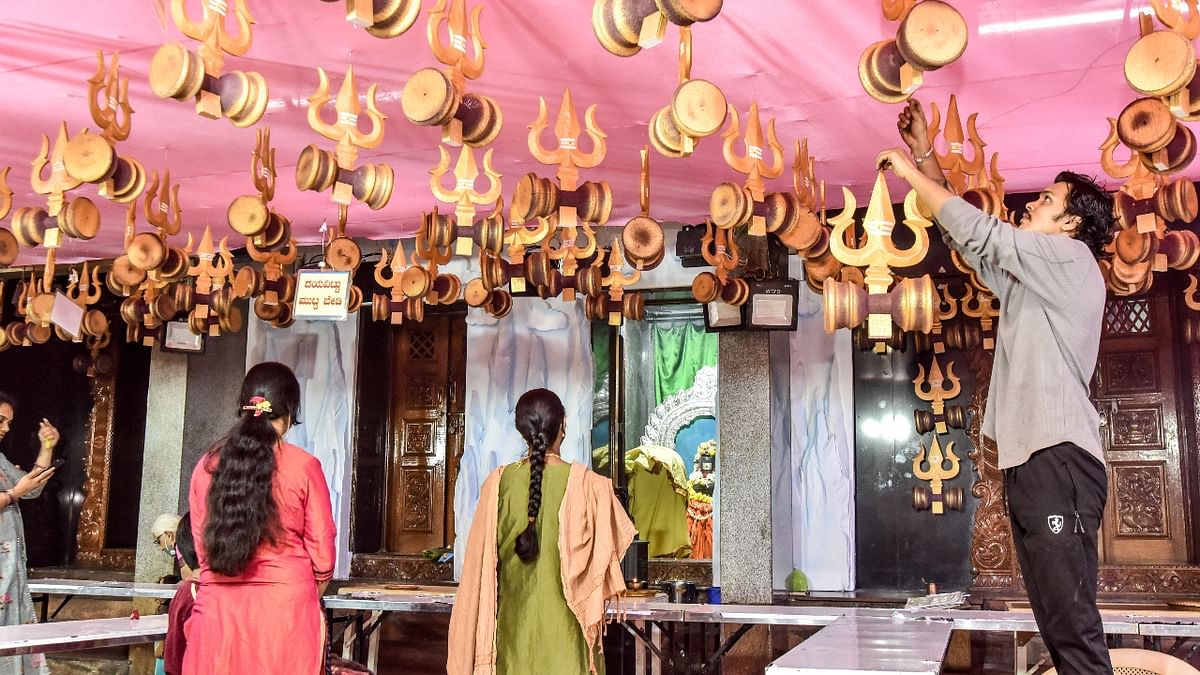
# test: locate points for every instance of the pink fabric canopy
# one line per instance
(1043, 76)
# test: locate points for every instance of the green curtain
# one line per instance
(680, 351)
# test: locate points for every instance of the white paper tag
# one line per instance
(66, 314)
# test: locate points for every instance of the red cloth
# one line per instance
(268, 619)
(181, 609)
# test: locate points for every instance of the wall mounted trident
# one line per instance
(345, 129)
(453, 13)
(937, 388)
(162, 205)
(954, 162)
(108, 98)
(804, 178)
(753, 164)
(211, 31)
(59, 180)
(464, 195)
(942, 467)
(982, 305)
(566, 153)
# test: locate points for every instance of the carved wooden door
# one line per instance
(426, 423)
(1135, 392)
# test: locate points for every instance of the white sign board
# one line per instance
(322, 295)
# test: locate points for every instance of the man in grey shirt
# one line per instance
(1047, 430)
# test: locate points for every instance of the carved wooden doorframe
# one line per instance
(993, 562)
(93, 518)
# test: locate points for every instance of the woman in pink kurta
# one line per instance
(265, 536)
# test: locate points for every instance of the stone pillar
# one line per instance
(743, 558)
(165, 411)
(214, 380)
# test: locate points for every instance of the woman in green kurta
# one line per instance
(535, 630)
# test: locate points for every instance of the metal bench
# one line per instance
(60, 636)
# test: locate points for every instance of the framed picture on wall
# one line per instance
(177, 336)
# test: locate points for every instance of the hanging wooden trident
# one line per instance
(912, 302)
(345, 129)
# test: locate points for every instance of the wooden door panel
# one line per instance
(417, 467)
(1135, 391)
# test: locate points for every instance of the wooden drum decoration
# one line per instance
(79, 219)
(91, 158)
(644, 242)
(537, 197)
(317, 170)
(177, 72)
(619, 25)
(1160, 63)
(430, 99)
(926, 421)
(389, 18)
(933, 34)
(910, 303)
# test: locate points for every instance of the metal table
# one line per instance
(69, 588)
(33, 638)
(869, 644)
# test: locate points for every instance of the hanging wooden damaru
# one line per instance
(802, 232)
(1146, 125)
(91, 158)
(9, 248)
(932, 35)
(730, 206)
(146, 251)
(534, 197)
(589, 280)
(1181, 248)
(698, 108)
(618, 23)
(343, 254)
(249, 282)
(316, 169)
(499, 305)
(392, 18)
(429, 98)
(79, 219)
(1160, 63)
(178, 73)
(538, 268)
(248, 215)
(174, 265)
(493, 272)
(879, 72)
(490, 233)
(1177, 201)
(705, 287)
(644, 243)
(1176, 156)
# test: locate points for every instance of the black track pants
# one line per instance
(1055, 501)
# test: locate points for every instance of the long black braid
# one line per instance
(539, 418)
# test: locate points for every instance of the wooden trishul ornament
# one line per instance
(464, 195)
(941, 467)
(215, 39)
(936, 389)
(754, 163)
(344, 130)
(108, 99)
(954, 161)
(59, 181)
(566, 153)
(911, 303)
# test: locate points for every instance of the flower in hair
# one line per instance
(258, 405)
